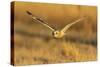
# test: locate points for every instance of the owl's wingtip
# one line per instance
(28, 12)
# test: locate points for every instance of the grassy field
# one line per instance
(34, 44)
(36, 51)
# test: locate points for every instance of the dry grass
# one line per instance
(38, 51)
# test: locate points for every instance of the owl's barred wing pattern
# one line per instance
(69, 25)
(40, 21)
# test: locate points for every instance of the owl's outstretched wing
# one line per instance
(70, 24)
(40, 21)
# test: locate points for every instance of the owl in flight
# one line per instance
(56, 33)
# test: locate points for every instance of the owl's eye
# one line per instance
(56, 32)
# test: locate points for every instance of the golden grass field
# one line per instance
(34, 44)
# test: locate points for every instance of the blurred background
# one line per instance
(34, 44)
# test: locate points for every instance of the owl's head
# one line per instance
(56, 34)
